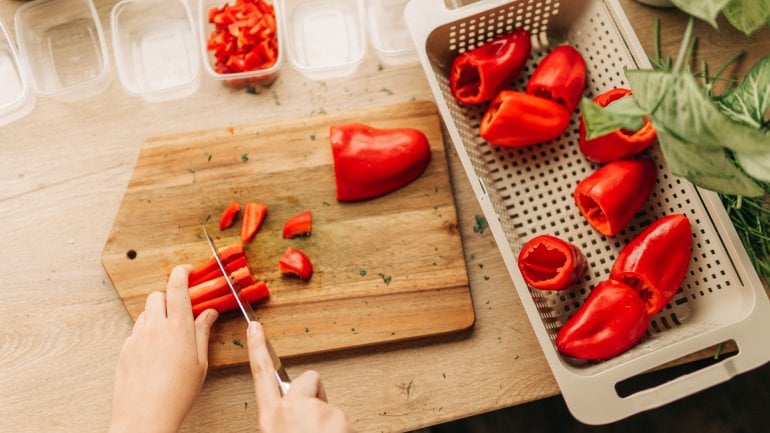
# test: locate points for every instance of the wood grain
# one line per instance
(408, 237)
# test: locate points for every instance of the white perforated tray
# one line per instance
(528, 191)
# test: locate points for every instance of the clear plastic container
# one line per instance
(325, 38)
(388, 32)
(155, 48)
(62, 44)
(16, 96)
(240, 79)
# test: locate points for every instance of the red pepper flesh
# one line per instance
(479, 74)
(244, 37)
(611, 321)
(611, 196)
(227, 302)
(217, 287)
(619, 144)
(230, 267)
(226, 220)
(298, 225)
(517, 119)
(370, 162)
(549, 263)
(560, 77)
(296, 262)
(226, 255)
(253, 216)
(655, 262)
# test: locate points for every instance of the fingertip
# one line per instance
(211, 316)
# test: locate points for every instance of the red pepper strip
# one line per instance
(227, 302)
(296, 262)
(549, 263)
(229, 267)
(560, 77)
(619, 144)
(226, 254)
(611, 196)
(370, 162)
(228, 215)
(477, 75)
(516, 119)
(253, 216)
(655, 262)
(611, 320)
(216, 287)
(298, 225)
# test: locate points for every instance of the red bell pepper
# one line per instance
(611, 320)
(517, 119)
(296, 262)
(370, 162)
(560, 77)
(230, 266)
(611, 196)
(226, 220)
(549, 263)
(298, 225)
(619, 144)
(201, 272)
(217, 287)
(227, 302)
(477, 75)
(655, 262)
(253, 216)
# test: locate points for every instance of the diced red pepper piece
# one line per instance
(560, 77)
(296, 262)
(226, 255)
(517, 119)
(298, 225)
(253, 216)
(227, 302)
(229, 215)
(549, 263)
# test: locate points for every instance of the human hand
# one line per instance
(163, 362)
(303, 409)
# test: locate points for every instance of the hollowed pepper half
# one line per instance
(560, 77)
(549, 263)
(517, 119)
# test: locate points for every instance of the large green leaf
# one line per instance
(708, 168)
(755, 165)
(747, 16)
(749, 101)
(678, 102)
(599, 121)
(707, 10)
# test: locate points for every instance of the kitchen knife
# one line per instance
(284, 382)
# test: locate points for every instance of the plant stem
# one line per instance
(684, 46)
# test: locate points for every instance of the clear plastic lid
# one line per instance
(155, 48)
(16, 97)
(62, 44)
(388, 32)
(325, 38)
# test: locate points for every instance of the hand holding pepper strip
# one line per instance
(611, 320)
(549, 263)
(655, 262)
(517, 119)
(478, 75)
(298, 225)
(619, 144)
(560, 77)
(370, 162)
(611, 196)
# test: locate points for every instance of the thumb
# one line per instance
(202, 330)
(262, 369)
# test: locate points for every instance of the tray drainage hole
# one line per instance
(131, 254)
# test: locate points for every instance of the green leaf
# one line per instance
(678, 102)
(749, 101)
(747, 16)
(708, 168)
(622, 113)
(755, 165)
(707, 10)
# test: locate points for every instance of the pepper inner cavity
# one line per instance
(544, 263)
(638, 285)
(469, 81)
(591, 210)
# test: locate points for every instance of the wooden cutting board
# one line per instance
(385, 270)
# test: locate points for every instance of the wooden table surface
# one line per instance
(63, 171)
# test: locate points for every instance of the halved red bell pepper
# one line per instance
(549, 263)
(655, 262)
(226, 220)
(296, 262)
(201, 272)
(517, 119)
(560, 77)
(370, 162)
(477, 75)
(253, 216)
(611, 196)
(619, 144)
(611, 321)
(298, 225)
(227, 302)
(217, 287)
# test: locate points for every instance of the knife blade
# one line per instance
(284, 382)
